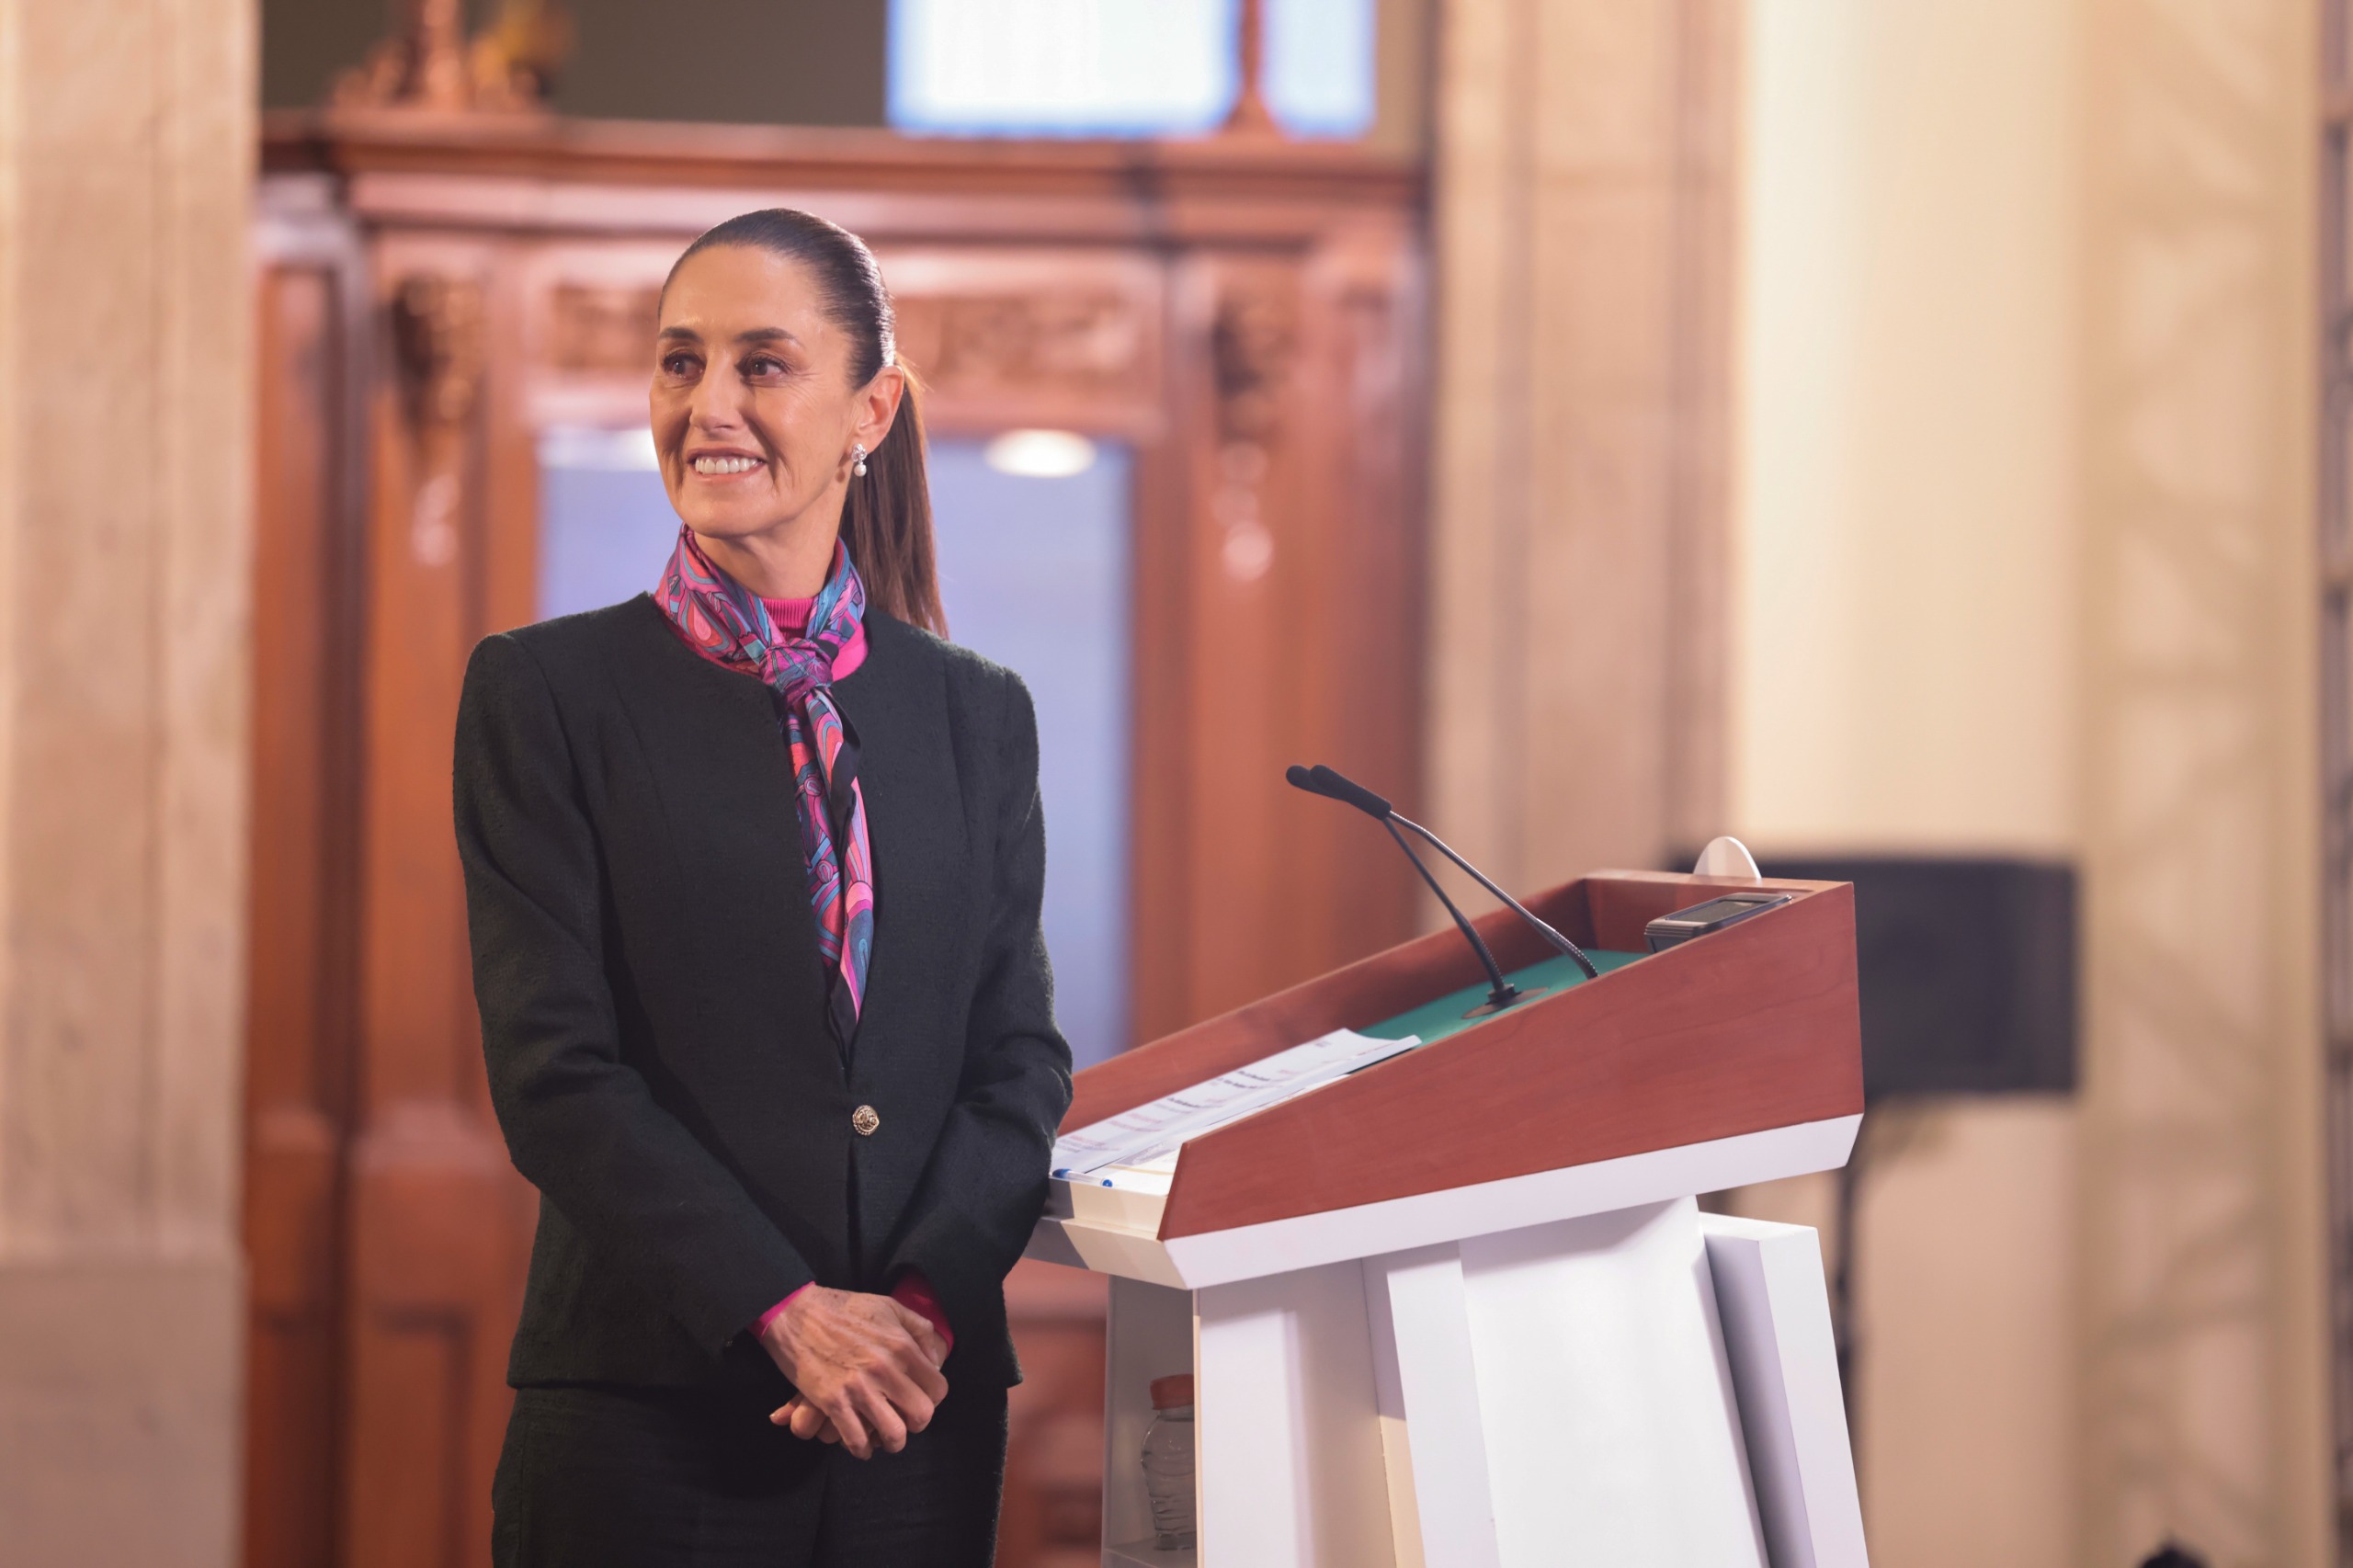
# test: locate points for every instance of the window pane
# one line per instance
(1123, 67)
(1034, 573)
(1033, 568)
(1061, 67)
(1321, 66)
(605, 526)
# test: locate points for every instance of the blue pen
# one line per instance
(1066, 1174)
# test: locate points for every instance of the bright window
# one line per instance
(1319, 65)
(1122, 67)
(1032, 532)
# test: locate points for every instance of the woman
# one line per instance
(753, 866)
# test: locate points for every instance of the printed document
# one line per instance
(1151, 1132)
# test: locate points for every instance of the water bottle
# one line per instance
(1168, 1462)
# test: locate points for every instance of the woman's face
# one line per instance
(753, 413)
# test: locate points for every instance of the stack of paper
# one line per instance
(1156, 1130)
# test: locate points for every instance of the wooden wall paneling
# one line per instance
(588, 309)
(1166, 296)
(506, 530)
(1294, 605)
(588, 179)
(504, 542)
(1161, 604)
(1006, 338)
(310, 320)
(1002, 337)
(1238, 321)
(1320, 588)
(1053, 1488)
(1357, 634)
(435, 1216)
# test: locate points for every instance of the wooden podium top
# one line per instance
(1751, 1028)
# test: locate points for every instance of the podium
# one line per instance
(1461, 1307)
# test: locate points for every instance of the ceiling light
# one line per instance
(1040, 454)
(593, 447)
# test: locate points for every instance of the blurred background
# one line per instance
(1912, 436)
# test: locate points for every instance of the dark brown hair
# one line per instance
(886, 518)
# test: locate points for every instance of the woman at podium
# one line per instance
(753, 866)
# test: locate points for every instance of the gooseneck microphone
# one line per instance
(1321, 781)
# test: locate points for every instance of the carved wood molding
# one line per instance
(606, 328)
(428, 63)
(680, 178)
(1087, 347)
(438, 332)
(1252, 340)
(1084, 344)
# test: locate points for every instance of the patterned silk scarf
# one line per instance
(726, 622)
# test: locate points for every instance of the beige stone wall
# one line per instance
(1907, 465)
(126, 153)
(1402, 75)
(2019, 563)
(2023, 564)
(2204, 1370)
(1582, 151)
(1906, 664)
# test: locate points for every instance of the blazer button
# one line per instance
(864, 1121)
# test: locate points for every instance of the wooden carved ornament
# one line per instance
(439, 338)
(428, 63)
(1082, 343)
(1251, 342)
(603, 328)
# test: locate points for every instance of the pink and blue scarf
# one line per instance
(726, 623)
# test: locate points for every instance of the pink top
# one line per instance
(792, 615)
(912, 1291)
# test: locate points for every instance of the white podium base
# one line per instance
(1584, 1390)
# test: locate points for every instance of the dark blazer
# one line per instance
(653, 1005)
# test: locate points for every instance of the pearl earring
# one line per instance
(857, 461)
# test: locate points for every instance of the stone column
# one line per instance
(2028, 568)
(127, 143)
(2204, 1306)
(1582, 164)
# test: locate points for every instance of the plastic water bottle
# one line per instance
(1168, 1462)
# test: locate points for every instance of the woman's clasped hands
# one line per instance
(867, 1368)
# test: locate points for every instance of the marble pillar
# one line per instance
(126, 144)
(2204, 1317)
(2027, 545)
(2023, 563)
(1582, 164)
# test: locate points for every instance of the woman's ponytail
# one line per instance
(886, 521)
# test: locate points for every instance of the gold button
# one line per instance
(865, 1121)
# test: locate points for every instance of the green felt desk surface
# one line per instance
(1436, 1020)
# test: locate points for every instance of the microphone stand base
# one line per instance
(1494, 1004)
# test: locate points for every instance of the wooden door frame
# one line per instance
(302, 1028)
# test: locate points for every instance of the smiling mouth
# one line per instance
(723, 467)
